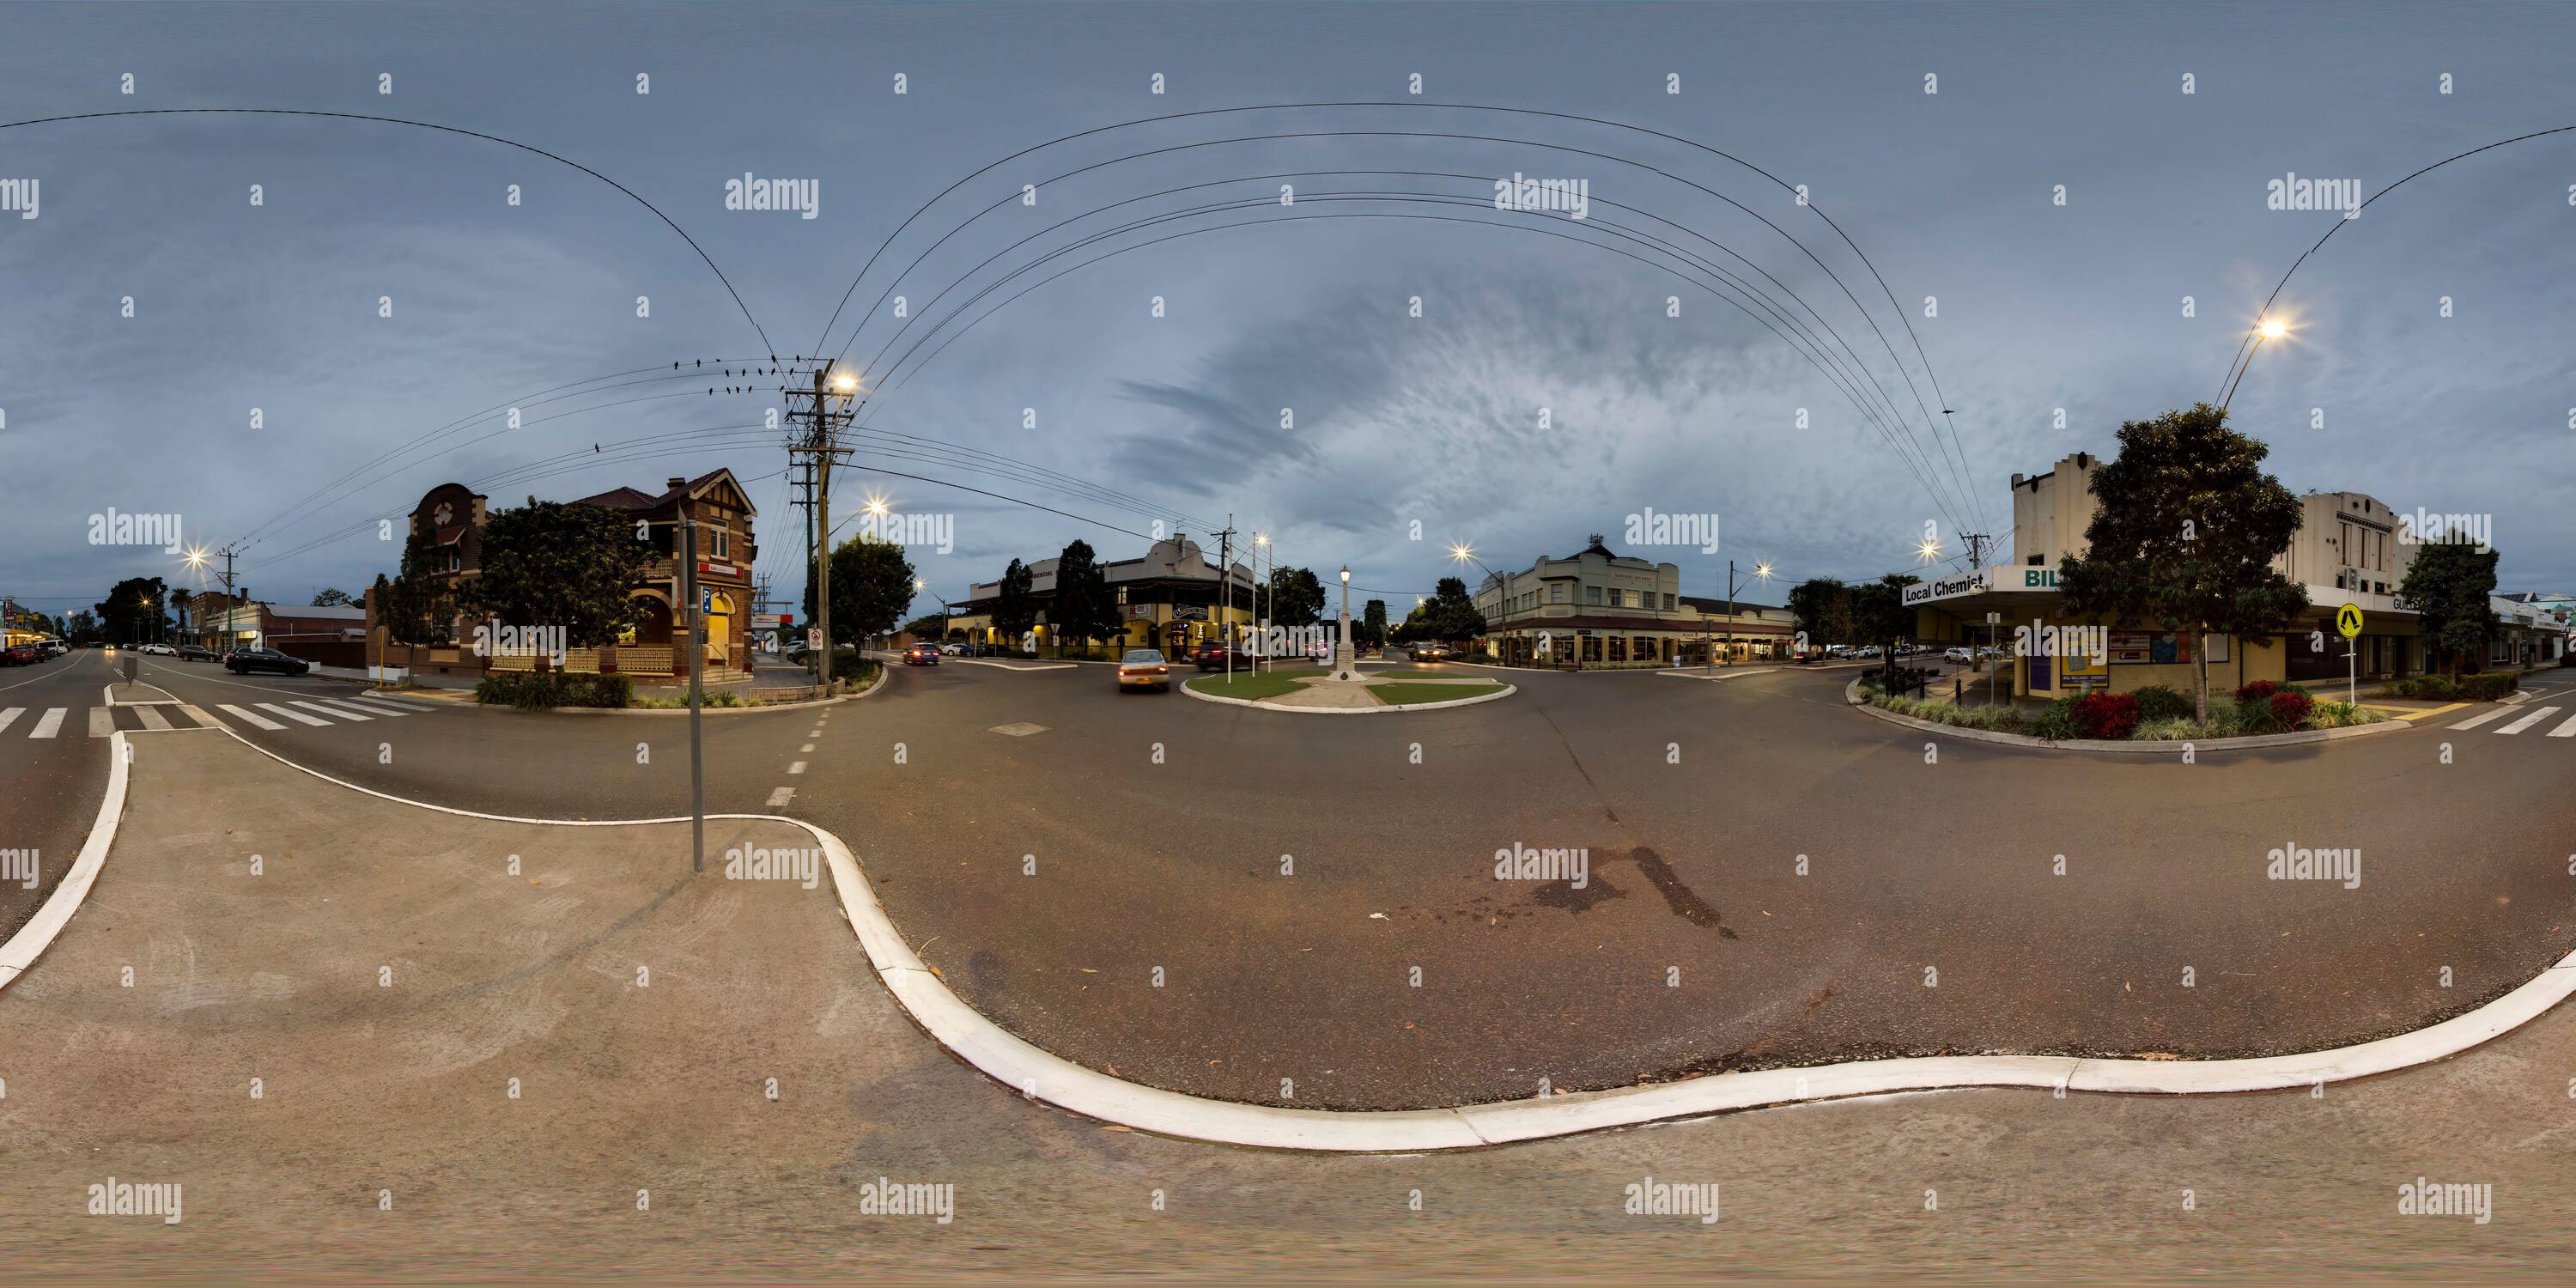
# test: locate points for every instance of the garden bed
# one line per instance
(2151, 714)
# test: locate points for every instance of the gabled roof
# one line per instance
(623, 498)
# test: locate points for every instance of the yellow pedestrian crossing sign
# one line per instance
(2348, 620)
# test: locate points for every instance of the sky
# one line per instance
(2054, 240)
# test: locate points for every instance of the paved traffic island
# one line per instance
(1315, 691)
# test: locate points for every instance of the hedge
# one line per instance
(538, 690)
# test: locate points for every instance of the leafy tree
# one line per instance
(1373, 622)
(332, 597)
(1416, 624)
(1015, 610)
(1295, 597)
(132, 613)
(2448, 585)
(418, 606)
(871, 586)
(1454, 615)
(557, 563)
(2185, 537)
(81, 627)
(1083, 608)
(926, 626)
(1822, 608)
(1880, 616)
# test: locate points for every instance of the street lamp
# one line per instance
(1261, 542)
(1465, 553)
(1761, 572)
(1344, 668)
(2268, 329)
(918, 586)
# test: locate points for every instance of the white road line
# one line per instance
(781, 796)
(330, 711)
(2481, 718)
(2567, 730)
(380, 708)
(292, 715)
(398, 694)
(257, 721)
(806, 748)
(352, 704)
(198, 714)
(797, 768)
(10, 716)
(150, 716)
(2528, 721)
(101, 724)
(51, 724)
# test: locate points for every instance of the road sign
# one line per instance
(814, 637)
(2348, 620)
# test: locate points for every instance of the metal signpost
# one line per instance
(2348, 621)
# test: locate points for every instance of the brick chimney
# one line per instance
(676, 484)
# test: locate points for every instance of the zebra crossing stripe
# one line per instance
(331, 711)
(382, 694)
(10, 716)
(2528, 721)
(256, 720)
(2567, 730)
(371, 705)
(292, 715)
(152, 718)
(102, 722)
(2481, 718)
(51, 724)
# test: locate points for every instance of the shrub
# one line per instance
(2290, 708)
(2057, 724)
(2157, 703)
(2258, 691)
(536, 691)
(2171, 729)
(2487, 686)
(2105, 715)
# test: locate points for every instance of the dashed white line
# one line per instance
(806, 748)
(781, 796)
(797, 768)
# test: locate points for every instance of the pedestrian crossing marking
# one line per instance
(101, 722)
(256, 720)
(10, 716)
(51, 724)
(292, 715)
(152, 718)
(2528, 721)
(2481, 718)
(379, 708)
(2567, 730)
(330, 711)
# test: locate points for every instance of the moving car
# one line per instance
(195, 653)
(1433, 651)
(1214, 657)
(243, 661)
(921, 655)
(1962, 656)
(1144, 668)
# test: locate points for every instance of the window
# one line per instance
(1556, 593)
(1668, 601)
(1592, 596)
(720, 541)
(455, 561)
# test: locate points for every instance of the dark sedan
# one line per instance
(921, 655)
(196, 653)
(243, 661)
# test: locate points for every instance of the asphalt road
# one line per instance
(741, 1109)
(55, 772)
(1111, 884)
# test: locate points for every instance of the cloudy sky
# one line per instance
(1562, 374)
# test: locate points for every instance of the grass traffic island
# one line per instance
(2262, 713)
(1268, 685)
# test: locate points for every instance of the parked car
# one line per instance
(1962, 656)
(196, 653)
(952, 650)
(1144, 668)
(1867, 651)
(921, 655)
(22, 655)
(243, 661)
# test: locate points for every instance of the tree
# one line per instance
(926, 626)
(2185, 537)
(561, 564)
(332, 597)
(1083, 607)
(132, 613)
(1822, 608)
(1416, 624)
(418, 606)
(1373, 622)
(1296, 597)
(2448, 585)
(1453, 615)
(1015, 610)
(1880, 616)
(871, 586)
(81, 627)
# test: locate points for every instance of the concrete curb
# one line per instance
(2255, 743)
(1381, 710)
(1730, 674)
(33, 938)
(1042, 1076)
